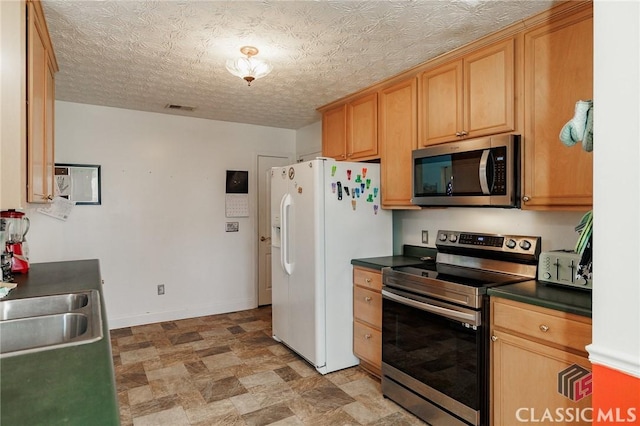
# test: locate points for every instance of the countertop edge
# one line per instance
(514, 292)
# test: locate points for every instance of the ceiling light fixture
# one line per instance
(249, 68)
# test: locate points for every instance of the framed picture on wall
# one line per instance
(79, 183)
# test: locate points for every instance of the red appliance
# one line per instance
(17, 226)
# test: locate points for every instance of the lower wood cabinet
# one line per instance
(367, 318)
(540, 372)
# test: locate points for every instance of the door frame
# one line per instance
(289, 160)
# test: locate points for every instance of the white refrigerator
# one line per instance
(323, 214)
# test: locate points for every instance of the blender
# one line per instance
(5, 256)
(16, 226)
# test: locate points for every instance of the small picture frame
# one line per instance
(79, 183)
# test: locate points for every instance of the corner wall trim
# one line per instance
(623, 362)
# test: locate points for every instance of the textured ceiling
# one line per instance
(144, 55)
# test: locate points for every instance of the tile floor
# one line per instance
(227, 370)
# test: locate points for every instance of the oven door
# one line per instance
(433, 358)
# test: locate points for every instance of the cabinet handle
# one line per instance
(494, 338)
(367, 280)
(367, 336)
(544, 328)
(367, 299)
(525, 198)
(458, 134)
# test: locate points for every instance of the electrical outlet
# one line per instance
(425, 237)
(160, 289)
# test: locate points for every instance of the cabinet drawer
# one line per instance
(547, 325)
(367, 306)
(367, 278)
(367, 344)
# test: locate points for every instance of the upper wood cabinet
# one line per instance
(469, 97)
(558, 71)
(334, 132)
(41, 67)
(349, 131)
(398, 136)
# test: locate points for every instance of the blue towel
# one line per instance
(580, 127)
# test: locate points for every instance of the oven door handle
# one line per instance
(438, 310)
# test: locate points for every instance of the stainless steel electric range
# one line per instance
(435, 337)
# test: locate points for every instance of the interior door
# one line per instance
(264, 225)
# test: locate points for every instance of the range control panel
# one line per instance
(561, 267)
(489, 242)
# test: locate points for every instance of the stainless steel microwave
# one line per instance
(473, 172)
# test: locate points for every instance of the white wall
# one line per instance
(555, 228)
(162, 218)
(309, 141)
(616, 293)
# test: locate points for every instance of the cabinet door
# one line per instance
(334, 133)
(37, 130)
(41, 67)
(558, 71)
(441, 104)
(367, 306)
(362, 127)
(49, 160)
(368, 278)
(489, 90)
(525, 383)
(367, 345)
(398, 137)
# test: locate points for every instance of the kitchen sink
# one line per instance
(49, 322)
(43, 305)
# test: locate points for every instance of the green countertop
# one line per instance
(560, 298)
(411, 256)
(66, 386)
(533, 292)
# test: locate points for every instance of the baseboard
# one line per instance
(154, 317)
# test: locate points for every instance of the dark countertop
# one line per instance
(534, 292)
(411, 256)
(73, 385)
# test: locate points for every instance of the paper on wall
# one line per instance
(60, 208)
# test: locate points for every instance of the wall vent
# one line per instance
(179, 107)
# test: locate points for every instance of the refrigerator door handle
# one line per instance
(285, 205)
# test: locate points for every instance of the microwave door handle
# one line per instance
(482, 172)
